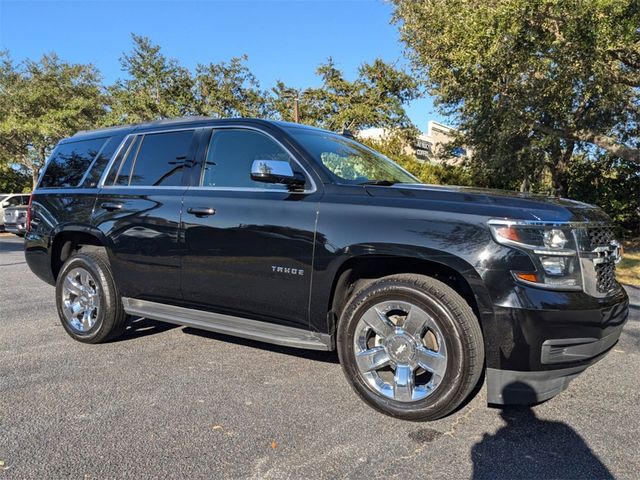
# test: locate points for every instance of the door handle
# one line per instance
(201, 211)
(111, 206)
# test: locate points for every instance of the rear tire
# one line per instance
(89, 304)
(410, 346)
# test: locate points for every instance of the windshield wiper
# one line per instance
(386, 183)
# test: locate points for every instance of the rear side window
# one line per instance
(156, 159)
(101, 161)
(69, 162)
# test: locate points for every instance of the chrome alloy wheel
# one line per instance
(400, 351)
(80, 300)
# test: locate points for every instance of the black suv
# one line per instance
(305, 238)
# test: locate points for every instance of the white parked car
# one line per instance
(11, 200)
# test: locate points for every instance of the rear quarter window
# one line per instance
(69, 162)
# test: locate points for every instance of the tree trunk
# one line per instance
(558, 161)
(610, 144)
(34, 178)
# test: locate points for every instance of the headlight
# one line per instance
(552, 249)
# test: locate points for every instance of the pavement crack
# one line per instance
(451, 432)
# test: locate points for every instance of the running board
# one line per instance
(230, 325)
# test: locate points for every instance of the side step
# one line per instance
(230, 325)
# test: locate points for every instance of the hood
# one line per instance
(492, 203)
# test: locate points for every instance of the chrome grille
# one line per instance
(601, 236)
(600, 248)
(605, 276)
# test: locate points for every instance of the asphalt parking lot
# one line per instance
(174, 402)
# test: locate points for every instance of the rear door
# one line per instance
(248, 245)
(138, 209)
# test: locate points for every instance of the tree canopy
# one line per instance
(155, 86)
(229, 89)
(530, 82)
(375, 98)
(42, 102)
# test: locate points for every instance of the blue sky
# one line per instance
(284, 40)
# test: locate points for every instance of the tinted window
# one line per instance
(101, 161)
(123, 164)
(69, 163)
(161, 159)
(231, 154)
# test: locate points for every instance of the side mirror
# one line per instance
(276, 171)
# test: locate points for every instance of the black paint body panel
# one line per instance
(225, 262)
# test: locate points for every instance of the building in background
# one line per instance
(427, 146)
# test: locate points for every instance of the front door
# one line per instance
(248, 245)
(138, 209)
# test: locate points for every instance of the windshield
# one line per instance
(349, 161)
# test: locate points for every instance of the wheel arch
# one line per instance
(454, 271)
(70, 239)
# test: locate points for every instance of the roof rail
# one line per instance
(162, 121)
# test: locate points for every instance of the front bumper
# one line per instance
(511, 387)
(540, 340)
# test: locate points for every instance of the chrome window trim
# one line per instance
(134, 160)
(105, 174)
(313, 188)
(93, 162)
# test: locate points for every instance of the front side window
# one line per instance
(69, 162)
(156, 159)
(231, 153)
(349, 161)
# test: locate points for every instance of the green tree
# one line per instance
(156, 87)
(376, 98)
(13, 180)
(229, 90)
(610, 182)
(530, 82)
(394, 146)
(41, 103)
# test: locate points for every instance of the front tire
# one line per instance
(88, 301)
(410, 346)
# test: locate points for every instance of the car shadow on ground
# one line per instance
(138, 327)
(529, 447)
(317, 355)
